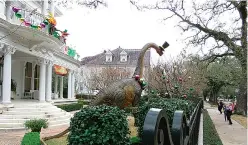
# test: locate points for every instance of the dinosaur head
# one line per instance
(160, 51)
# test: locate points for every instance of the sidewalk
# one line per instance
(234, 134)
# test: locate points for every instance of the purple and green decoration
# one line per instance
(180, 79)
(191, 89)
(18, 15)
(152, 92)
(137, 77)
(184, 96)
(176, 86)
(45, 22)
(15, 9)
(164, 77)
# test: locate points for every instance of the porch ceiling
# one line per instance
(19, 54)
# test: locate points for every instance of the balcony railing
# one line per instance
(32, 21)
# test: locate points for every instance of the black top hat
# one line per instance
(165, 45)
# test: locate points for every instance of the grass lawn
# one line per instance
(210, 135)
(63, 140)
(242, 120)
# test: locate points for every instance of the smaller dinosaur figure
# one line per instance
(127, 92)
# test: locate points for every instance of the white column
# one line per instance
(8, 10)
(52, 7)
(45, 7)
(73, 85)
(2, 9)
(49, 82)
(42, 80)
(56, 86)
(61, 88)
(69, 85)
(7, 75)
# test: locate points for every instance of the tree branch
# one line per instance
(213, 57)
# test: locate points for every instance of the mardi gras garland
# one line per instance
(50, 22)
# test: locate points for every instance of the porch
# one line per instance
(28, 77)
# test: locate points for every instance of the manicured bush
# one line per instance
(210, 135)
(71, 107)
(84, 96)
(31, 138)
(36, 124)
(98, 125)
(171, 105)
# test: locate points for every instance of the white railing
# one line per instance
(34, 19)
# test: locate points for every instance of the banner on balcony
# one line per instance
(60, 70)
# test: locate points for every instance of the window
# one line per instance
(123, 58)
(108, 58)
(28, 76)
(36, 77)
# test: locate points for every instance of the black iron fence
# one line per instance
(156, 130)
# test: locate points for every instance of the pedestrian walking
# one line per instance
(220, 106)
(225, 112)
(229, 113)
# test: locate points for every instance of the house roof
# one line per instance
(132, 58)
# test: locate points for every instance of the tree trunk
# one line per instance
(242, 97)
(211, 98)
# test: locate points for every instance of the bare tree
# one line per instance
(98, 80)
(219, 25)
(86, 3)
(182, 76)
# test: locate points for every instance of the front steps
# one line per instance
(14, 118)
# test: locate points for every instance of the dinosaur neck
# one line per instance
(140, 64)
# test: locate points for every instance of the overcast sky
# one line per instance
(120, 24)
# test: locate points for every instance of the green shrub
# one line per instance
(135, 140)
(98, 125)
(31, 138)
(36, 124)
(210, 135)
(84, 96)
(71, 107)
(171, 105)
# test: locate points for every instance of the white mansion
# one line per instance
(30, 52)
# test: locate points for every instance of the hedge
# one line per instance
(31, 138)
(71, 107)
(210, 135)
(84, 96)
(98, 125)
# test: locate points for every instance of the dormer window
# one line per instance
(108, 56)
(123, 56)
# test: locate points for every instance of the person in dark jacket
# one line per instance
(220, 106)
(229, 113)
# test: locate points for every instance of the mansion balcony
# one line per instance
(35, 24)
(35, 21)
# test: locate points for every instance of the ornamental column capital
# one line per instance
(50, 63)
(42, 61)
(7, 49)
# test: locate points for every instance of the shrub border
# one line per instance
(210, 135)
